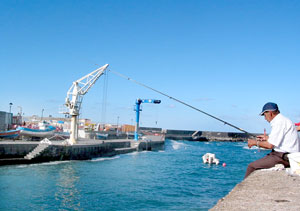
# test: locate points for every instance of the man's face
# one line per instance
(268, 116)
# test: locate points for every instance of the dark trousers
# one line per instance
(270, 160)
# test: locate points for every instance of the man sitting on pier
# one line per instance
(283, 140)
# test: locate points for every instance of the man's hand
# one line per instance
(251, 143)
(262, 137)
(263, 143)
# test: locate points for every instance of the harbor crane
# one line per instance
(74, 98)
(138, 103)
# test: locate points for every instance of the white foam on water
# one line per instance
(252, 148)
(136, 153)
(245, 146)
(46, 163)
(145, 151)
(132, 153)
(177, 145)
(242, 143)
(104, 159)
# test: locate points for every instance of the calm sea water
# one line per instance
(172, 179)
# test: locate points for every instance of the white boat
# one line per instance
(210, 158)
(101, 136)
(44, 130)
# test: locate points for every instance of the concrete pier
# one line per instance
(263, 190)
(24, 152)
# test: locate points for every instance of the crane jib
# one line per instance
(75, 95)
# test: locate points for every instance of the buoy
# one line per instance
(224, 164)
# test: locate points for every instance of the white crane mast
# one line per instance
(75, 95)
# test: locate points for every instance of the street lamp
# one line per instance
(42, 114)
(10, 104)
(10, 118)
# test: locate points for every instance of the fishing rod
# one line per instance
(155, 90)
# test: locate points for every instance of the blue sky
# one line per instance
(227, 58)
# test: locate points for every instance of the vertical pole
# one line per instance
(73, 132)
(137, 109)
(10, 104)
(42, 114)
(10, 116)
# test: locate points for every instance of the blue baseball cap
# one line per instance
(269, 107)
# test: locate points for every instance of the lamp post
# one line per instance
(10, 104)
(10, 118)
(42, 114)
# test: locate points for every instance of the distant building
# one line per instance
(17, 120)
(128, 128)
(5, 120)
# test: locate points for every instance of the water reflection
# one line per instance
(67, 193)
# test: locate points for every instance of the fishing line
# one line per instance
(155, 90)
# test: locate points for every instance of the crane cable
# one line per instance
(155, 90)
(104, 98)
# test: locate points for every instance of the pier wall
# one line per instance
(13, 152)
(263, 190)
(82, 150)
(150, 145)
(16, 149)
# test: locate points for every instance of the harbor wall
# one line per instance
(13, 152)
(82, 150)
(16, 149)
(147, 145)
(193, 135)
(263, 190)
(75, 152)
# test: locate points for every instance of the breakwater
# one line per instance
(22, 152)
(192, 135)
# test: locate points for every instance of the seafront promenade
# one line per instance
(263, 190)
